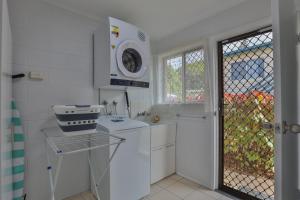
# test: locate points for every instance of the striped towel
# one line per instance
(17, 154)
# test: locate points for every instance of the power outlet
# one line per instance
(36, 75)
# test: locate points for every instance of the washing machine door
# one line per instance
(131, 59)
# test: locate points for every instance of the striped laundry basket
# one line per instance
(18, 167)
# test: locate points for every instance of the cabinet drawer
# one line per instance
(162, 162)
(163, 134)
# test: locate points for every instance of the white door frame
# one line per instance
(213, 58)
(286, 162)
(286, 102)
(1, 125)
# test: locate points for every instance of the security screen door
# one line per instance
(246, 98)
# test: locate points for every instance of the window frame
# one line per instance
(181, 54)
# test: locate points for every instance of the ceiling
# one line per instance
(159, 18)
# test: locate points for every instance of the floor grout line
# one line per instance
(197, 188)
(188, 186)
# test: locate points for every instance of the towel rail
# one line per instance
(192, 116)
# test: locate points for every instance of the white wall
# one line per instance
(297, 2)
(284, 18)
(223, 25)
(141, 99)
(243, 18)
(57, 43)
(244, 13)
(5, 101)
(298, 60)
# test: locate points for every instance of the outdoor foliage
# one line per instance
(194, 82)
(173, 83)
(248, 148)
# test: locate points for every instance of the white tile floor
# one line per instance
(177, 188)
(82, 196)
(172, 188)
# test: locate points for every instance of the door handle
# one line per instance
(267, 126)
(287, 128)
(290, 128)
(271, 126)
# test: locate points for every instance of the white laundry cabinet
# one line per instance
(163, 151)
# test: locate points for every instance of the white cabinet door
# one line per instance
(163, 155)
(158, 164)
(163, 134)
(162, 162)
(170, 160)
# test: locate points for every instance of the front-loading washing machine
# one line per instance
(128, 177)
(122, 56)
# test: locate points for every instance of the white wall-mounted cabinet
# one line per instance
(163, 151)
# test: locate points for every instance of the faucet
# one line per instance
(144, 113)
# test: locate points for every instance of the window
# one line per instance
(173, 79)
(184, 77)
(252, 68)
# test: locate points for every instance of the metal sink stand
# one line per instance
(66, 145)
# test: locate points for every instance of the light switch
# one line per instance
(36, 75)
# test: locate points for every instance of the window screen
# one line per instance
(184, 77)
(173, 79)
(253, 68)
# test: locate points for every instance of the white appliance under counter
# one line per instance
(163, 150)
